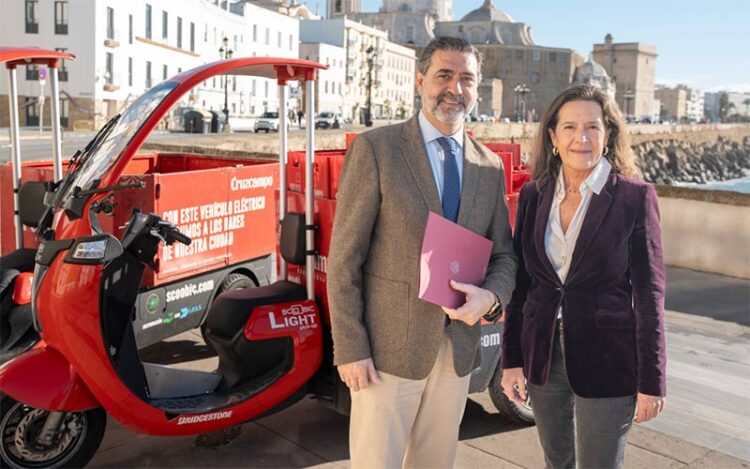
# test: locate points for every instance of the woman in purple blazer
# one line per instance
(584, 331)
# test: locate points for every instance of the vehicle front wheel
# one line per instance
(521, 414)
(73, 445)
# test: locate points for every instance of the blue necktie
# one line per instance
(451, 181)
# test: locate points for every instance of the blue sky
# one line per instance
(704, 44)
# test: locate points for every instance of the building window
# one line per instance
(130, 71)
(266, 85)
(148, 21)
(164, 25)
(205, 32)
(519, 54)
(179, 32)
(278, 40)
(62, 70)
(255, 33)
(110, 23)
(32, 72)
(108, 77)
(553, 56)
(130, 29)
(291, 40)
(534, 78)
(268, 36)
(164, 73)
(148, 74)
(61, 17)
(32, 17)
(192, 37)
(536, 55)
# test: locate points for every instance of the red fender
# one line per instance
(44, 379)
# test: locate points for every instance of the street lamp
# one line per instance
(521, 90)
(370, 61)
(225, 53)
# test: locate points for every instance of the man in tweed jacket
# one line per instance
(406, 361)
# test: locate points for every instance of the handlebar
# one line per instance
(169, 233)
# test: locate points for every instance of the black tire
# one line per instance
(231, 282)
(236, 282)
(70, 450)
(520, 414)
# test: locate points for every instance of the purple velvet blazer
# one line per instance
(612, 299)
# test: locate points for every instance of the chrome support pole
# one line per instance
(56, 135)
(309, 207)
(15, 142)
(284, 135)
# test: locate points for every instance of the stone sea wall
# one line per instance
(671, 161)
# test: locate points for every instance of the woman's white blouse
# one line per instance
(559, 246)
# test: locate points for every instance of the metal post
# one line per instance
(15, 141)
(56, 135)
(283, 132)
(309, 207)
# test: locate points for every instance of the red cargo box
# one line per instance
(227, 208)
(295, 168)
(337, 164)
(521, 176)
(512, 201)
(350, 136)
(507, 157)
(513, 148)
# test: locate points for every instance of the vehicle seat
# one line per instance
(21, 260)
(242, 360)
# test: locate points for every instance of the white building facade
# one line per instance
(329, 88)
(124, 48)
(371, 62)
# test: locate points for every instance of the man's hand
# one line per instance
(358, 375)
(648, 407)
(514, 385)
(478, 303)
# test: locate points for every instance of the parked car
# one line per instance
(268, 122)
(328, 120)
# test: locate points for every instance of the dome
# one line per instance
(487, 12)
(591, 73)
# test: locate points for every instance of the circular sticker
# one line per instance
(152, 303)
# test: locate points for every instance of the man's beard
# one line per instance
(458, 110)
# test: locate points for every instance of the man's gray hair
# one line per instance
(447, 43)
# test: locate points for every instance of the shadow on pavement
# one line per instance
(709, 295)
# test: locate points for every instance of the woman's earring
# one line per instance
(606, 150)
(555, 151)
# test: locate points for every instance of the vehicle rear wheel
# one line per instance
(73, 445)
(518, 413)
(231, 282)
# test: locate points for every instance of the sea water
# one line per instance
(735, 185)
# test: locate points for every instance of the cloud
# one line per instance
(734, 88)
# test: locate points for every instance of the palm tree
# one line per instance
(746, 102)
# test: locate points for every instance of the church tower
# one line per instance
(343, 7)
(438, 9)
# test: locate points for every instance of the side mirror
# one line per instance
(31, 202)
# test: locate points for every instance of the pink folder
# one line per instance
(450, 252)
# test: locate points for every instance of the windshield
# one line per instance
(270, 115)
(326, 114)
(102, 156)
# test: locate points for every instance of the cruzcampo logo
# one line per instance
(152, 303)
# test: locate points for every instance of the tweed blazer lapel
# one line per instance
(414, 153)
(598, 208)
(470, 181)
(544, 205)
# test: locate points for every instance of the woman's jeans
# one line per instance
(576, 431)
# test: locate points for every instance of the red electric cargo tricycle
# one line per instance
(273, 342)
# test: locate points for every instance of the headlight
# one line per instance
(97, 249)
(90, 250)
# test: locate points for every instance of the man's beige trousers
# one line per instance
(406, 423)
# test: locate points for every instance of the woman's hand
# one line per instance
(647, 408)
(514, 385)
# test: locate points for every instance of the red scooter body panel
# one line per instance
(68, 304)
(44, 379)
